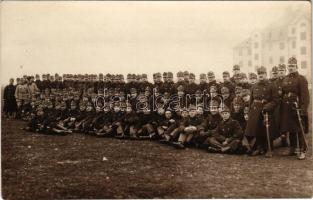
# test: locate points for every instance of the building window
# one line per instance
(249, 51)
(249, 63)
(270, 35)
(303, 50)
(302, 24)
(256, 56)
(240, 52)
(282, 59)
(293, 44)
(240, 63)
(303, 65)
(303, 36)
(270, 60)
(280, 33)
(256, 45)
(281, 45)
(293, 30)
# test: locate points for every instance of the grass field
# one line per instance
(37, 166)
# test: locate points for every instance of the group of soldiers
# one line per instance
(238, 115)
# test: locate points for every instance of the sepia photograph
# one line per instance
(156, 99)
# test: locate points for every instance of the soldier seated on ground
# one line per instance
(191, 128)
(166, 126)
(228, 135)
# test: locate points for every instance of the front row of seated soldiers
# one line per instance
(214, 130)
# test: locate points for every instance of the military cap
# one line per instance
(168, 111)
(164, 74)
(226, 73)
(274, 70)
(243, 75)
(170, 74)
(192, 107)
(180, 88)
(261, 70)
(158, 74)
(225, 109)
(121, 76)
(138, 76)
(252, 76)
(236, 67)
(192, 76)
(213, 103)
(224, 90)
(202, 76)
(282, 67)
(180, 74)
(292, 61)
(186, 73)
(210, 74)
(144, 76)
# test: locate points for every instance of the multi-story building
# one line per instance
(289, 36)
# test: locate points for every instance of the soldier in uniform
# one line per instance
(295, 95)
(228, 83)
(236, 72)
(168, 82)
(274, 74)
(191, 128)
(252, 78)
(180, 79)
(9, 107)
(212, 81)
(281, 73)
(192, 86)
(209, 124)
(203, 86)
(228, 135)
(264, 99)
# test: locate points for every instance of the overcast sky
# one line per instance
(122, 37)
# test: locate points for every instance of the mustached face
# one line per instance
(292, 68)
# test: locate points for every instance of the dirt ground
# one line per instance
(37, 166)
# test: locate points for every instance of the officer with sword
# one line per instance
(294, 107)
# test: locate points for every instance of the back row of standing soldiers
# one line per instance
(225, 116)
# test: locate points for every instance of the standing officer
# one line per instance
(263, 99)
(295, 94)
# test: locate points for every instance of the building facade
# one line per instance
(289, 36)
